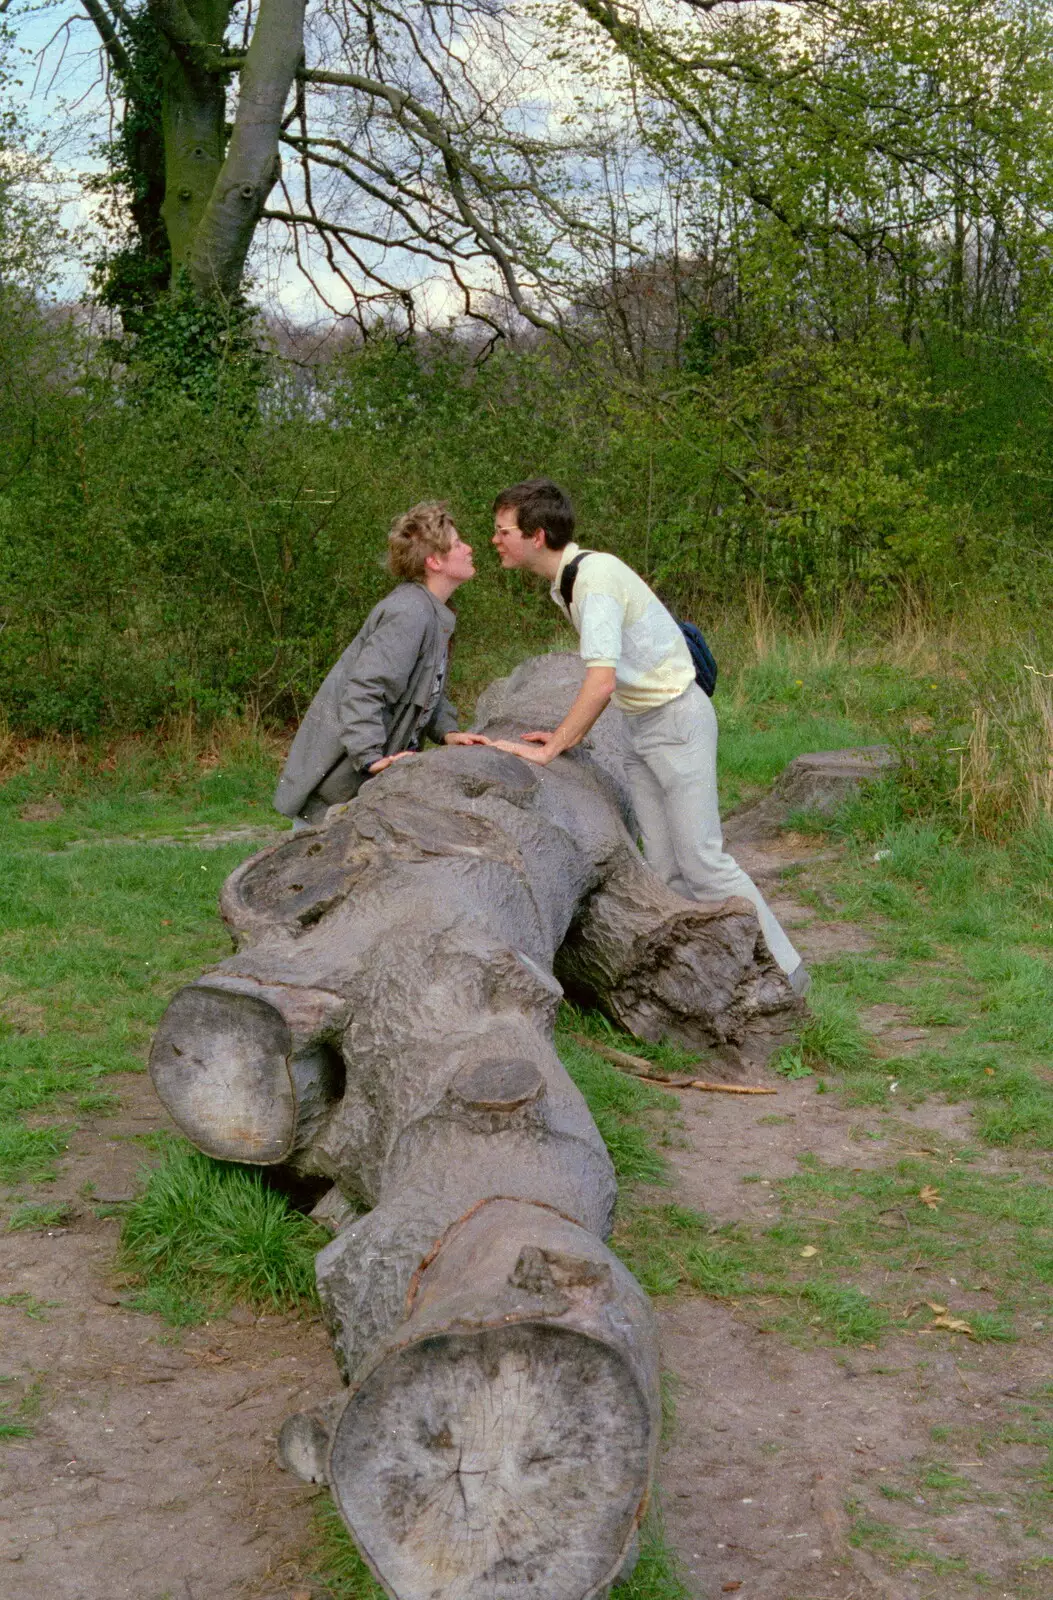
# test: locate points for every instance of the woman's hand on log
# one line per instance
(465, 738)
(385, 761)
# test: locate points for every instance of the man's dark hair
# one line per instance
(540, 503)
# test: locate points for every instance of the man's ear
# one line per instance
(537, 539)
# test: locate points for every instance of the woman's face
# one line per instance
(457, 564)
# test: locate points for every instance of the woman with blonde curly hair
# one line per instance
(387, 692)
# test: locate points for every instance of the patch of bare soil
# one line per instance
(151, 1469)
(202, 836)
(771, 1444)
(730, 1149)
(779, 1456)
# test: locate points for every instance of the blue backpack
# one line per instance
(703, 659)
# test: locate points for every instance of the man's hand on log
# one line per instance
(465, 738)
(543, 748)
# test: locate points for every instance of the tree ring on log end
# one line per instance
(509, 1460)
(224, 1065)
(498, 1085)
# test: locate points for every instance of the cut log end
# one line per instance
(227, 1068)
(479, 1466)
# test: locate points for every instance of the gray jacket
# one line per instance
(375, 702)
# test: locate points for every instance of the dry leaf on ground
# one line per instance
(929, 1196)
(954, 1324)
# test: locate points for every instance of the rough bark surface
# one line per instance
(387, 1023)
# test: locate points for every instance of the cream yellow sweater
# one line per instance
(622, 624)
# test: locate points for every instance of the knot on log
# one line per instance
(541, 1271)
(501, 1086)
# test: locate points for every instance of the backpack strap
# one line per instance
(568, 575)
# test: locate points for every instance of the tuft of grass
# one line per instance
(867, 1533)
(991, 1328)
(669, 1248)
(28, 1303)
(632, 1115)
(16, 1422)
(11, 1427)
(338, 1568)
(30, 1152)
(206, 1233)
(657, 1574)
(848, 1315)
(831, 1036)
(39, 1216)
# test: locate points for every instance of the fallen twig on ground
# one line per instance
(640, 1067)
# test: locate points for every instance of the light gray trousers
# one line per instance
(672, 774)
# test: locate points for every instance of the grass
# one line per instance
(39, 1216)
(940, 1489)
(206, 1233)
(867, 1533)
(28, 1303)
(815, 1277)
(841, 1264)
(633, 1116)
(99, 922)
(16, 1421)
(986, 982)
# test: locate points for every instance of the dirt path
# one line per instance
(771, 1443)
(151, 1474)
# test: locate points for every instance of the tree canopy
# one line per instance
(536, 158)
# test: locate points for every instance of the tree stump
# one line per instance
(387, 1023)
(818, 783)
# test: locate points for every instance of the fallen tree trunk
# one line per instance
(387, 1023)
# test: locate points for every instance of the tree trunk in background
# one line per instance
(239, 190)
(205, 181)
(388, 1023)
(193, 121)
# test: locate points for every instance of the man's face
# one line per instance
(456, 564)
(514, 548)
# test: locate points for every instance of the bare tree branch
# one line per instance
(115, 51)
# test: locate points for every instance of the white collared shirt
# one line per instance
(622, 624)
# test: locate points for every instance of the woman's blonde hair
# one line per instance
(422, 531)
